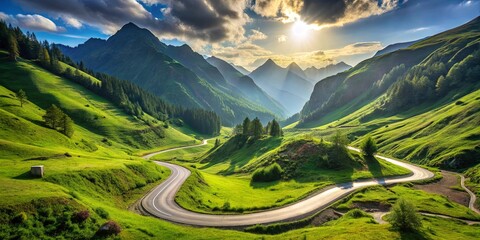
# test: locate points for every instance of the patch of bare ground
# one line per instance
(325, 216)
(371, 206)
(448, 186)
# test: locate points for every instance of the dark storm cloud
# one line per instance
(210, 20)
(325, 11)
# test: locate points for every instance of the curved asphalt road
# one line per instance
(160, 202)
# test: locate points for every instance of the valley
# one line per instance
(146, 137)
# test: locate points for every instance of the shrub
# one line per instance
(82, 216)
(268, 174)
(102, 213)
(404, 216)
(357, 213)
(109, 228)
(20, 218)
(226, 206)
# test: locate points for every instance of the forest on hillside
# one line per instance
(131, 98)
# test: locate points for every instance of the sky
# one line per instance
(248, 32)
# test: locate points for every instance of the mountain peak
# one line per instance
(294, 66)
(185, 47)
(130, 25)
(343, 64)
(269, 62)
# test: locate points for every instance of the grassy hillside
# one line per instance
(93, 169)
(419, 103)
(103, 178)
(86, 109)
(404, 79)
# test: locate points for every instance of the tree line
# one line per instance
(132, 99)
(255, 128)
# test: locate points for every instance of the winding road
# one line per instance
(160, 202)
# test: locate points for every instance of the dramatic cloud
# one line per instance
(207, 20)
(354, 49)
(72, 22)
(257, 35)
(32, 22)
(324, 13)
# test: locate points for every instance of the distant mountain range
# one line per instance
(178, 74)
(286, 85)
(246, 85)
(316, 74)
(241, 69)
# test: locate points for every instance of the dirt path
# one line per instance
(473, 198)
(448, 186)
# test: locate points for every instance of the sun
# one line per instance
(300, 30)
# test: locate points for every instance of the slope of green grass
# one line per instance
(444, 136)
(102, 175)
(423, 201)
(365, 228)
(196, 153)
(90, 112)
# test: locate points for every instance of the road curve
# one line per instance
(160, 202)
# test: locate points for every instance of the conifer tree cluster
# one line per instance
(131, 98)
(255, 128)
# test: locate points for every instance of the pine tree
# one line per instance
(44, 57)
(81, 66)
(21, 97)
(369, 147)
(257, 128)
(53, 117)
(275, 130)
(237, 130)
(217, 143)
(268, 128)
(339, 140)
(67, 126)
(246, 126)
(55, 65)
(12, 47)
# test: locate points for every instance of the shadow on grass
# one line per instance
(24, 176)
(6, 96)
(9, 105)
(26, 80)
(374, 166)
(257, 185)
(418, 235)
(240, 150)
